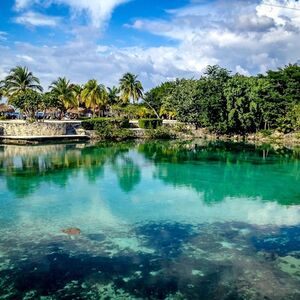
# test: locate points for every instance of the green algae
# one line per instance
(290, 265)
(109, 291)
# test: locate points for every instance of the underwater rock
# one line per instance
(72, 231)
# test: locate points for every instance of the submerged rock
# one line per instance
(72, 231)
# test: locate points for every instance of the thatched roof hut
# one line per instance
(76, 111)
(5, 108)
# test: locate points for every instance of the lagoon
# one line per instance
(158, 220)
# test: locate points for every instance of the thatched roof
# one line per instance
(51, 110)
(76, 111)
(5, 108)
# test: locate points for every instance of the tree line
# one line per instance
(233, 103)
(24, 91)
(219, 100)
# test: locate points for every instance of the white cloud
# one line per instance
(36, 19)
(98, 11)
(243, 36)
(240, 35)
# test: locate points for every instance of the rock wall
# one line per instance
(19, 128)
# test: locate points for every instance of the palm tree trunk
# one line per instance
(154, 110)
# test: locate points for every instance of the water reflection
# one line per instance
(167, 220)
(217, 170)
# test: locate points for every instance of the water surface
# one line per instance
(159, 220)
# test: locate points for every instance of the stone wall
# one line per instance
(21, 128)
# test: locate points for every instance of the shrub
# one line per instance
(98, 123)
(161, 133)
(109, 132)
(150, 123)
(266, 132)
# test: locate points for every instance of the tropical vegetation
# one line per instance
(219, 100)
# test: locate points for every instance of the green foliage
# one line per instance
(132, 111)
(94, 95)
(184, 100)
(99, 123)
(109, 132)
(156, 97)
(238, 104)
(19, 80)
(150, 123)
(28, 102)
(182, 128)
(131, 88)
(161, 133)
(63, 90)
(266, 132)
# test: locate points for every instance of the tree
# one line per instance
(77, 91)
(64, 91)
(113, 95)
(184, 100)
(242, 105)
(94, 95)
(50, 101)
(29, 101)
(19, 80)
(285, 89)
(155, 98)
(131, 88)
(213, 113)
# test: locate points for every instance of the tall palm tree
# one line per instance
(113, 95)
(19, 80)
(131, 88)
(2, 89)
(77, 90)
(94, 95)
(63, 90)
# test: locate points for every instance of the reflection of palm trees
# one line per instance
(25, 174)
(216, 170)
(128, 173)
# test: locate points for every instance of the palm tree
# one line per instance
(94, 95)
(77, 90)
(131, 88)
(2, 89)
(64, 91)
(113, 95)
(19, 80)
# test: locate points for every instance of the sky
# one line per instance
(159, 40)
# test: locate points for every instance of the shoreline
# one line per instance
(59, 132)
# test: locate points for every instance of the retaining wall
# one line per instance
(19, 128)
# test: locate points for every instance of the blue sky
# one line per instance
(159, 40)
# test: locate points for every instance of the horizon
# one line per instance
(159, 42)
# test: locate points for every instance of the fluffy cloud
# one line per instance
(244, 36)
(36, 19)
(248, 35)
(99, 11)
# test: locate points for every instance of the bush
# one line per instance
(266, 132)
(161, 133)
(109, 132)
(150, 123)
(98, 123)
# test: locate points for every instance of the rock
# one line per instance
(72, 231)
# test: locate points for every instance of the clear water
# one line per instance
(159, 220)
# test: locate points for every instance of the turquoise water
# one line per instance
(158, 220)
